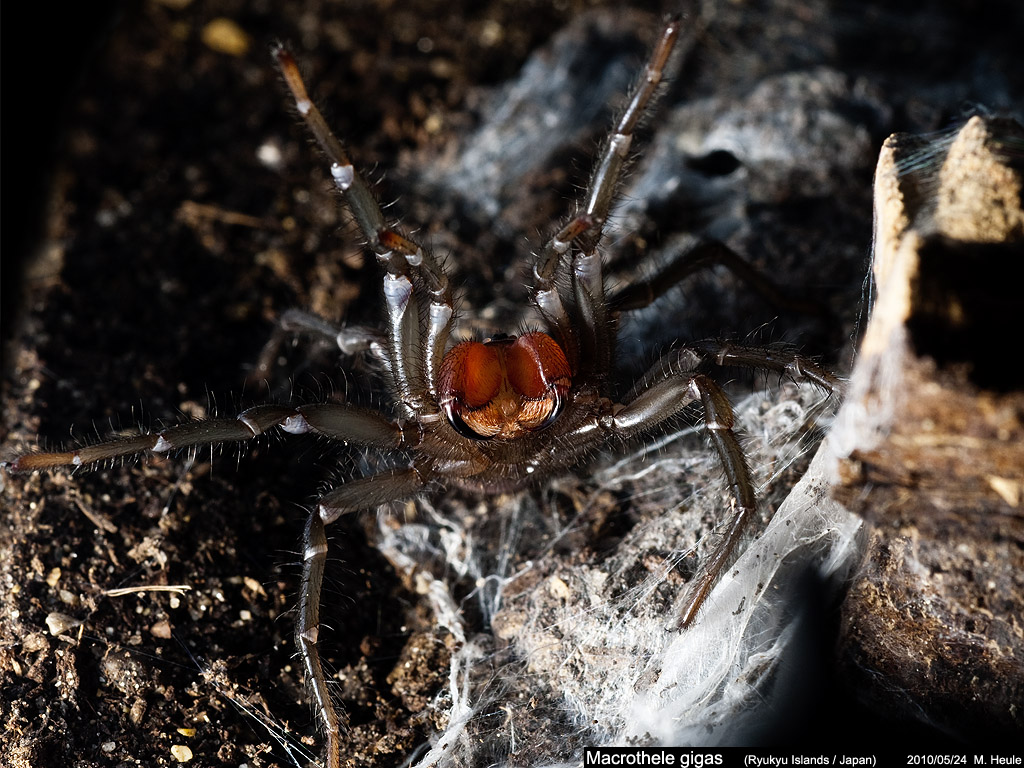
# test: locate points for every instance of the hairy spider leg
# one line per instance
(413, 371)
(350, 339)
(677, 380)
(590, 351)
(415, 382)
(696, 257)
(354, 496)
(413, 357)
(339, 422)
(414, 351)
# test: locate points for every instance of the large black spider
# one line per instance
(497, 414)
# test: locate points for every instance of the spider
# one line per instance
(496, 414)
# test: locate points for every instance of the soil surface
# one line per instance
(145, 609)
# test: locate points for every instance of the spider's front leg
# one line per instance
(413, 348)
(590, 350)
(413, 355)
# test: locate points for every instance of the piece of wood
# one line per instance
(932, 627)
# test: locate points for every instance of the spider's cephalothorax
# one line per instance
(488, 415)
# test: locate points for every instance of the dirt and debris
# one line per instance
(145, 609)
(937, 438)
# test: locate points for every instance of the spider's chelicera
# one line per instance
(490, 415)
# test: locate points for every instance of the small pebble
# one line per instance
(181, 753)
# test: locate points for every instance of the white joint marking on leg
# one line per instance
(316, 550)
(296, 425)
(328, 514)
(440, 314)
(587, 269)
(620, 143)
(348, 345)
(397, 290)
(311, 635)
(161, 446)
(549, 303)
(343, 175)
(560, 246)
(76, 460)
(303, 105)
(415, 259)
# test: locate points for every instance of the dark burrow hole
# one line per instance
(716, 163)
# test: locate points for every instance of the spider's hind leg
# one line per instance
(697, 257)
(781, 360)
(679, 379)
(364, 493)
(661, 399)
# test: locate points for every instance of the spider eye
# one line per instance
(504, 387)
